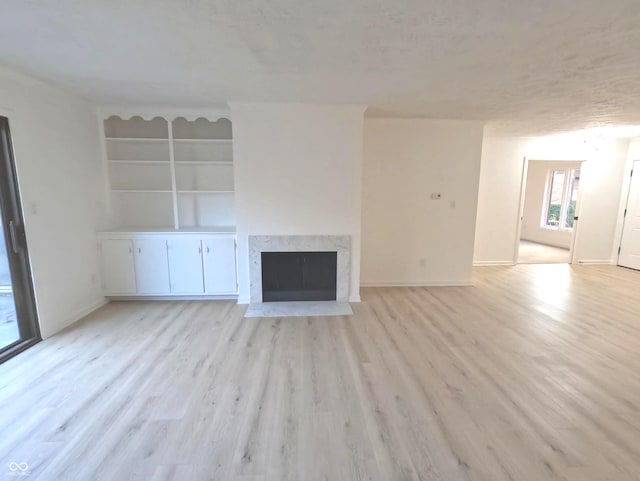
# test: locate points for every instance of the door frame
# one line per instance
(519, 219)
(624, 207)
(17, 255)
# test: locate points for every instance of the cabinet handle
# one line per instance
(199, 250)
(139, 250)
(130, 250)
(207, 250)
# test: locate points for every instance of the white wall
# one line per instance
(500, 190)
(57, 152)
(298, 171)
(408, 238)
(535, 200)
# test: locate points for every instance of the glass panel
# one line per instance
(9, 332)
(554, 206)
(572, 198)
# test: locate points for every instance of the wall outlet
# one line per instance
(436, 196)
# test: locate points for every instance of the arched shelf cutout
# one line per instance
(202, 129)
(167, 114)
(136, 127)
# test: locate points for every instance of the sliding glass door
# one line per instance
(18, 322)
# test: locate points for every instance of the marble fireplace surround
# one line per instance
(300, 243)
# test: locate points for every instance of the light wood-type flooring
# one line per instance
(536, 253)
(532, 374)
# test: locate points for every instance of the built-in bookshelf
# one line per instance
(170, 173)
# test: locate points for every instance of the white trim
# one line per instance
(595, 261)
(167, 113)
(244, 300)
(523, 188)
(624, 203)
(195, 297)
(416, 283)
(78, 316)
(355, 298)
(493, 263)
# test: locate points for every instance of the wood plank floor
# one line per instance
(531, 374)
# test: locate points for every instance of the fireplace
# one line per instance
(299, 276)
(337, 246)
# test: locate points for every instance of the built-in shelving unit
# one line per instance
(169, 171)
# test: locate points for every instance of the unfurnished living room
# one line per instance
(344, 240)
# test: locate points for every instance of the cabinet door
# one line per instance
(152, 268)
(118, 275)
(219, 260)
(185, 265)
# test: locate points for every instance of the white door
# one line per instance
(185, 265)
(152, 268)
(630, 245)
(219, 260)
(118, 274)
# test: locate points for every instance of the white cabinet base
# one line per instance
(169, 265)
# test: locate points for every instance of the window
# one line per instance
(561, 199)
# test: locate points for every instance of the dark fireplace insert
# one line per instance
(299, 276)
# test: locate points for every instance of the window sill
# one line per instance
(556, 229)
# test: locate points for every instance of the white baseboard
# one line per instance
(244, 300)
(77, 316)
(223, 297)
(415, 283)
(492, 263)
(596, 261)
(355, 298)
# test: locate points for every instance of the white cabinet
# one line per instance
(179, 263)
(185, 265)
(219, 262)
(152, 270)
(118, 275)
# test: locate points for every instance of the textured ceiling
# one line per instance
(525, 67)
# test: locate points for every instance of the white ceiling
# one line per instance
(524, 66)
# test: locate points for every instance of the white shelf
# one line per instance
(204, 162)
(135, 139)
(117, 161)
(205, 191)
(162, 170)
(141, 191)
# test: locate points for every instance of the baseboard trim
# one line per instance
(493, 263)
(223, 297)
(416, 284)
(595, 261)
(244, 300)
(78, 316)
(354, 299)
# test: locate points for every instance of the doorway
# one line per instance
(18, 320)
(629, 252)
(548, 219)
